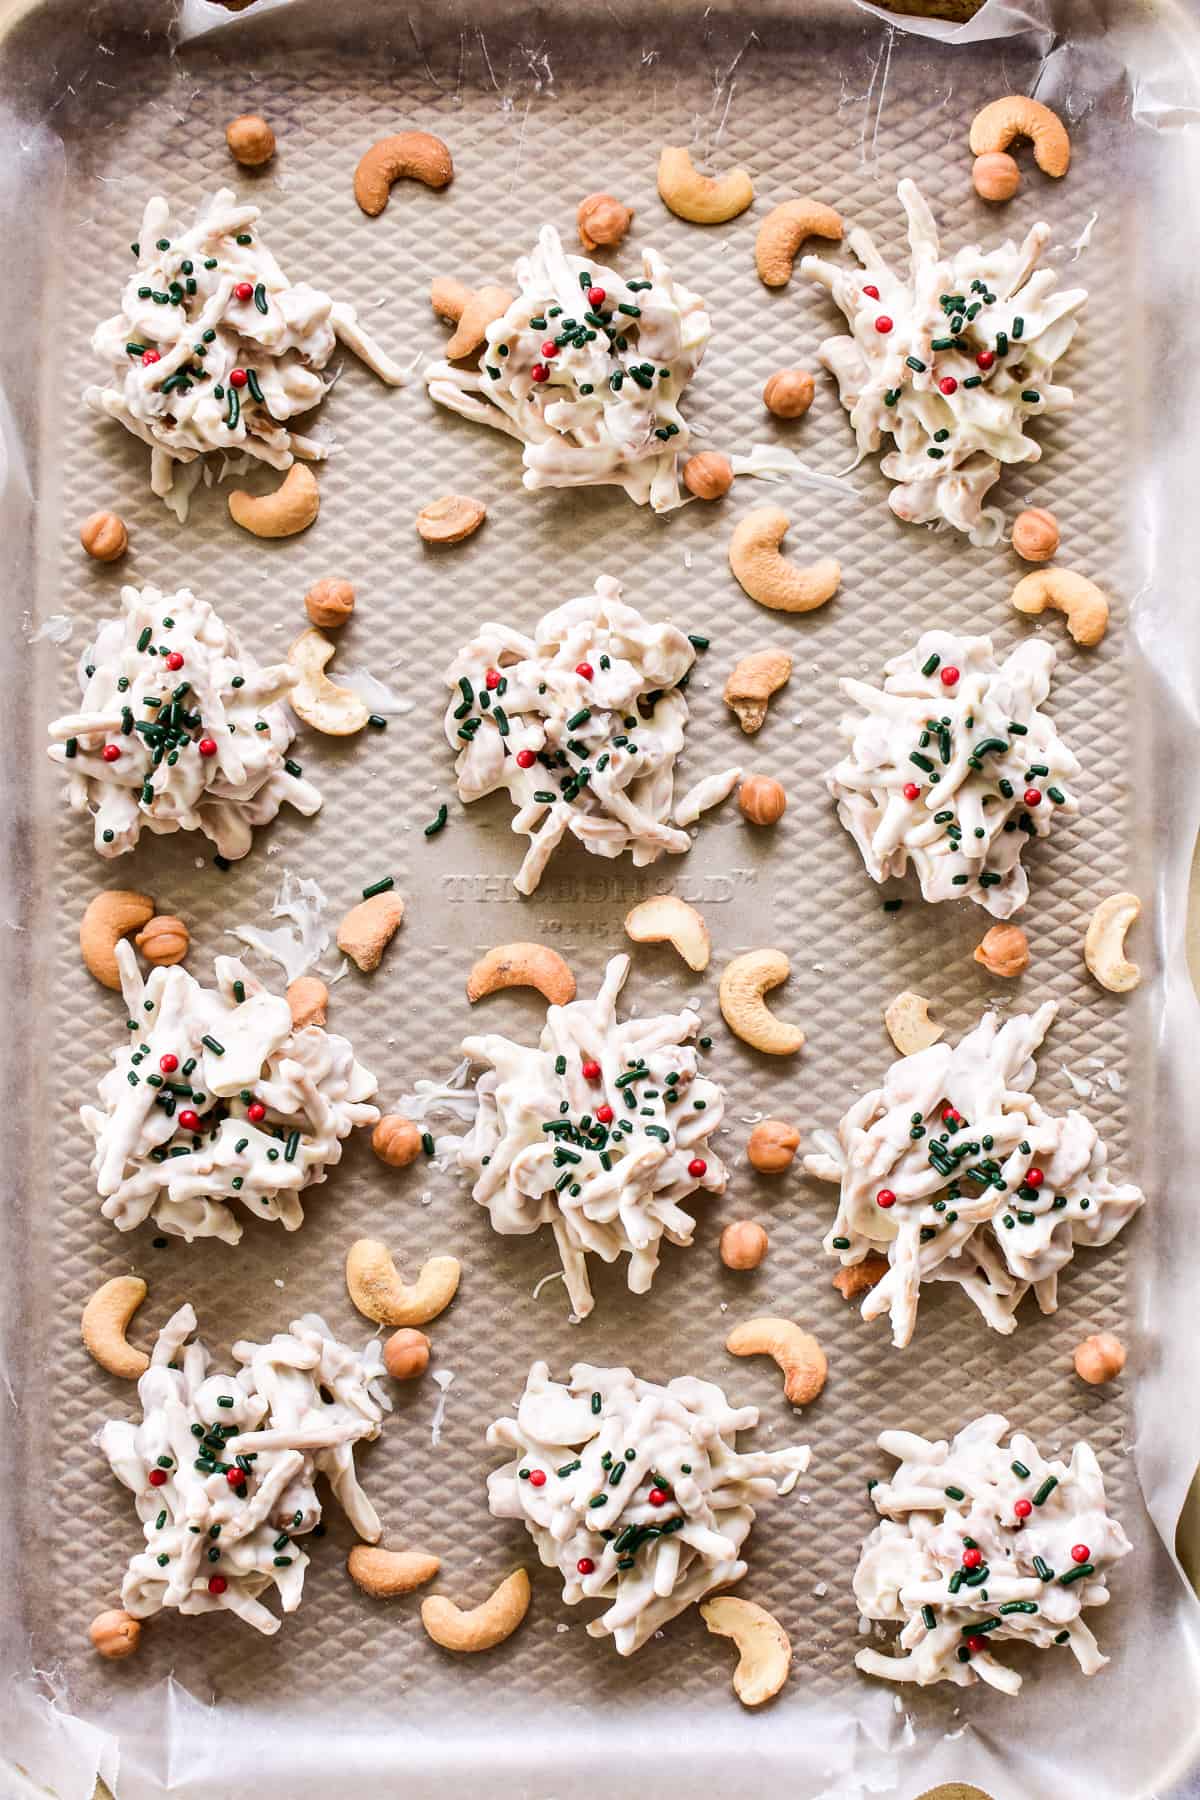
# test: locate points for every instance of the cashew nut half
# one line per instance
(784, 230)
(909, 1025)
(486, 1625)
(744, 981)
(108, 917)
(377, 1291)
(104, 1324)
(383, 1573)
(522, 965)
(668, 919)
(701, 199)
(292, 507)
(471, 309)
(415, 153)
(1104, 944)
(766, 574)
(368, 928)
(752, 682)
(764, 1648)
(1014, 116)
(797, 1352)
(337, 711)
(1084, 605)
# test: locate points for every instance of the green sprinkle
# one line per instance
(956, 1581)
(973, 381)
(840, 1243)
(914, 362)
(954, 1493)
(210, 1043)
(928, 668)
(1063, 1637)
(1030, 396)
(1044, 1492)
(1078, 1574)
(379, 887)
(579, 718)
(928, 1618)
(437, 822)
(427, 1143)
(291, 1147)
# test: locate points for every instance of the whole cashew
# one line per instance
(471, 309)
(1104, 944)
(797, 1352)
(764, 1648)
(909, 1025)
(784, 230)
(110, 916)
(701, 199)
(1084, 605)
(414, 153)
(104, 1324)
(1018, 116)
(337, 711)
(383, 1573)
(484, 1627)
(668, 919)
(766, 574)
(291, 508)
(744, 981)
(378, 1292)
(522, 965)
(368, 928)
(751, 684)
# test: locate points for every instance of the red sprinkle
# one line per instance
(985, 359)
(150, 356)
(585, 1565)
(604, 1114)
(883, 324)
(976, 1644)
(540, 372)
(1032, 797)
(174, 659)
(217, 1584)
(111, 752)
(243, 291)
(537, 1477)
(236, 1477)
(168, 1063)
(657, 1496)
(256, 1112)
(585, 669)
(1079, 1553)
(972, 1559)
(492, 678)
(871, 292)
(1035, 1177)
(885, 1198)
(949, 676)
(911, 790)
(549, 349)
(697, 1167)
(526, 759)
(207, 746)
(189, 1120)
(591, 1071)
(1023, 1508)
(951, 1117)
(237, 378)
(948, 385)
(596, 296)
(157, 1477)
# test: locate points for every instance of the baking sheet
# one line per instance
(835, 103)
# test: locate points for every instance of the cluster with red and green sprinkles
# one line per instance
(982, 1542)
(223, 1467)
(587, 369)
(216, 1100)
(215, 349)
(636, 1492)
(951, 361)
(952, 765)
(178, 729)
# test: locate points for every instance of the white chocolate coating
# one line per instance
(949, 448)
(974, 749)
(147, 1166)
(527, 1175)
(624, 724)
(282, 335)
(161, 781)
(275, 1416)
(677, 1440)
(1040, 1184)
(626, 429)
(909, 1561)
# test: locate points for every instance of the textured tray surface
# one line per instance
(530, 135)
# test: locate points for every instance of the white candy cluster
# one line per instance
(598, 1130)
(955, 1172)
(951, 362)
(952, 764)
(590, 385)
(581, 724)
(214, 348)
(982, 1542)
(295, 1410)
(635, 1492)
(215, 1099)
(179, 729)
